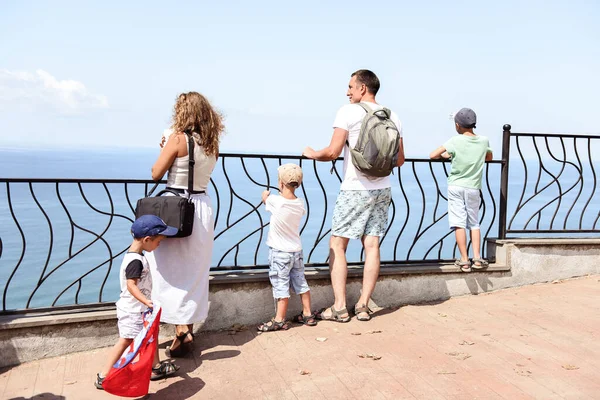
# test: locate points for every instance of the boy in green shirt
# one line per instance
(468, 153)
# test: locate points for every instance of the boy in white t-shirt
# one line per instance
(286, 262)
(136, 287)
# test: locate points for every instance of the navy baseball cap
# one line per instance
(151, 225)
(466, 118)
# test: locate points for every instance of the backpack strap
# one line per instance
(366, 108)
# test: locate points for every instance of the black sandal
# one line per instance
(99, 382)
(184, 347)
(272, 325)
(306, 319)
(166, 369)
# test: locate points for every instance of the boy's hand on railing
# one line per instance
(265, 194)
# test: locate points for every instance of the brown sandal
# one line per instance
(465, 266)
(336, 315)
(362, 310)
(482, 263)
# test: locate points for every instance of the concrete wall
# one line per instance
(248, 300)
(529, 260)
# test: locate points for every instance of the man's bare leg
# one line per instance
(338, 269)
(371, 270)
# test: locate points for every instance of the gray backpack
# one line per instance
(376, 151)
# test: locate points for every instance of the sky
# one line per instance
(106, 74)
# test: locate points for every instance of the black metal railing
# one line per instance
(61, 240)
(552, 184)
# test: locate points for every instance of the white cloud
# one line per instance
(32, 90)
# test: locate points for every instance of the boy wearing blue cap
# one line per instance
(136, 286)
(468, 153)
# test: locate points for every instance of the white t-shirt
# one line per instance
(350, 117)
(134, 265)
(284, 233)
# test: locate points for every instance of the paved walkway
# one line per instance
(537, 342)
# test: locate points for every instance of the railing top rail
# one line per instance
(75, 180)
(297, 157)
(232, 155)
(557, 135)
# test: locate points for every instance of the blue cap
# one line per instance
(466, 118)
(151, 225)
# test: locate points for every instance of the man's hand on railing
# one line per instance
(308, 152)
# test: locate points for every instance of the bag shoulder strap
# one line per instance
(368, 110)
(192, 162)
(365, 107)
(386, 111)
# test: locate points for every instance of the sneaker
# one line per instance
(99, 382)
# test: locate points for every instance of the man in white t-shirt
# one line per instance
(361, 209)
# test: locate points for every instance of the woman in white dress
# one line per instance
(180, 266)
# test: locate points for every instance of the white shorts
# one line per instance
(463, 207)
(130, 324)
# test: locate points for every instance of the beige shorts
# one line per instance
(130, 324)
(463, 207)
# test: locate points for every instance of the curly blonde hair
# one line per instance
(193, 113)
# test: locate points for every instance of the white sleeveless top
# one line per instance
(178, 173)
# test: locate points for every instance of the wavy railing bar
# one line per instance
(557, 200)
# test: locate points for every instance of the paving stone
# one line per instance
(535, 342)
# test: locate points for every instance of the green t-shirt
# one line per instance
(468, 156)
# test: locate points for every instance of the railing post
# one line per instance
(502, 217)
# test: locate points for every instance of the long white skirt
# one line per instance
(180, 269)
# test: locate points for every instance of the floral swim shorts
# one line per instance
(359, 213)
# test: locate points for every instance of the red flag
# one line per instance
(129, 378)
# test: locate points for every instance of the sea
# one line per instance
(62, 243)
